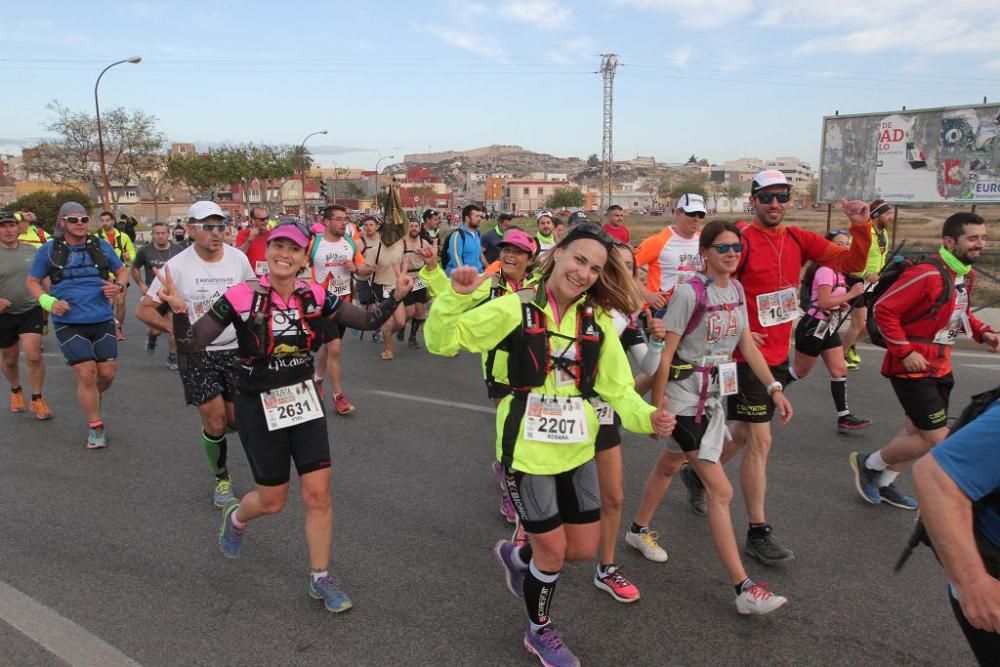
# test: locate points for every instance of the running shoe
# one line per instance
(865, 480)
(893, 496)
(756, 599)
(387, 355)
(548, 646)
(342, 405)
(328, 590)
(150, 344)
(852, 356)
(172, 361)
(40, 408)
(501, 477)
(414, 344)
(507, 509)
(17, 401)
(695, 489)
(504, 552)
(616, 585)
(96, 439)
(377, 337)
(761, 546)
(223, 492)
(848, 423)
(645, 542)
(229, 535)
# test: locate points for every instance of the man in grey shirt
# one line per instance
(21, 321)
(152, 256)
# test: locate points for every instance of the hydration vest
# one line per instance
(60, 251)
(256, 339)
(529, 347)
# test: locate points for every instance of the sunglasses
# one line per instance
(768, 197)
(695, 214)
(588, 230)
(259, 219)
(213, 226)
(724, 248)
(298, 225)
(73, 219)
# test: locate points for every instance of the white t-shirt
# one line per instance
(201, 284)
(330, 259)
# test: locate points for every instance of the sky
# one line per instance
(720, 79)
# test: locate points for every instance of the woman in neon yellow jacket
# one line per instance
(562, 349)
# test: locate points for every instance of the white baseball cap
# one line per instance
(205, 209)
(767, 178)
(692, 203)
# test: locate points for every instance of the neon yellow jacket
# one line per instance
(877, 253)
(122, 244)
(452, 327)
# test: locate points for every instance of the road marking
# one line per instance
(989, 367)
(55, 633)
(434, 401)
(974, 355)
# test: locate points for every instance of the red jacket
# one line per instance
(902, 315)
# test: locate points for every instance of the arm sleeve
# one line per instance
(646, 357)
(355, 317)
(615, 384)
(826, 253)
(453, 327)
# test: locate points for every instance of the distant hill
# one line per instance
(451, 166)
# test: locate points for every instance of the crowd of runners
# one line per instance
(692, 335)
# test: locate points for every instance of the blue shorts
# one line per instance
(87, 342)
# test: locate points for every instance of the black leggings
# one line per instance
(985, 645)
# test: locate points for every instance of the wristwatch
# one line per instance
(773, 387)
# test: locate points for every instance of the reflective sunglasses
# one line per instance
(588, 230)
(73, 219)
(298, 225)
(768, 197)
(212, 226)
(724, 248)
(695, 214)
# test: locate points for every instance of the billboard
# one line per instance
(922, 156)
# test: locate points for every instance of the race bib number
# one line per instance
(260, 267)
(958, 322)
(555, 419)
(729, 382)
(418, 285)
(291, 405)
(340, 287)
(605, 415)
(778, 307)
(822, 326)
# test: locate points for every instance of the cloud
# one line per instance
(696, 13)
(546, 14)
(474, 41)
(572, 51)
(680, 57)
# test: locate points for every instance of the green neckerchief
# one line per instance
(545, 239)
(954, 263)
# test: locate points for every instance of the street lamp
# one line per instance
(375, 193)
(302, 154)
(100, 136)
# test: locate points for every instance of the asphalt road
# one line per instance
(108, 554)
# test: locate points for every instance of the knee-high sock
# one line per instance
(838, 387)
(539, 587)
(215, 450)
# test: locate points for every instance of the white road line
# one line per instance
(57, 634)
(989, 367)
(980, 355)
(434, 401)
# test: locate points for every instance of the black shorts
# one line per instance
(363, 292)
(751, 403)
(419, 296)
(12, 326)
(609, 436)
(269, 452)
(688, 433)
(925, 400)
(80, 343)
(810, 345)
(545, 502)
(327, 330)
(205, 375)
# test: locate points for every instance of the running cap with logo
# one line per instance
(578, 216)
(519, 239)
(295, 232)
(71, 208)
(204, 209)
(543, 214)
(692, 203)
(6, 218)
(767, 178)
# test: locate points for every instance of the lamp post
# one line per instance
(100, 134)
(302, 154)
(375, 192)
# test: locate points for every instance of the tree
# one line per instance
(689, 187)
(45, 205)
(593, 160)
(693, 159)
(566, 198)
(197, 173)
(132, 144)
(733, 190)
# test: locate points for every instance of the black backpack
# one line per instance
(888, 276)
(443, 250)
(60, 251)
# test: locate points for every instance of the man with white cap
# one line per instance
(201, 274)
(544, 240)
(771, 260)
(80, 268)
(672, 257)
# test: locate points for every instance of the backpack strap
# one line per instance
(589, 337)
(700, 299)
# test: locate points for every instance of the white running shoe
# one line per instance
(645, 542)
(756, 599)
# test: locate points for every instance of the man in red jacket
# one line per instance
(918, 339)
(770, 265)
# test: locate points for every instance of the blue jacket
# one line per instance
(464, 249)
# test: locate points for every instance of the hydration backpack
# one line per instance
(888, 277)
(256, 339)
(60, 251)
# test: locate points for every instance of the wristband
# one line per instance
(46, 301)
(773, 387)
(657, 344)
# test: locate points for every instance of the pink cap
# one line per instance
(317, 228)
(519, 239)
(292, 231)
